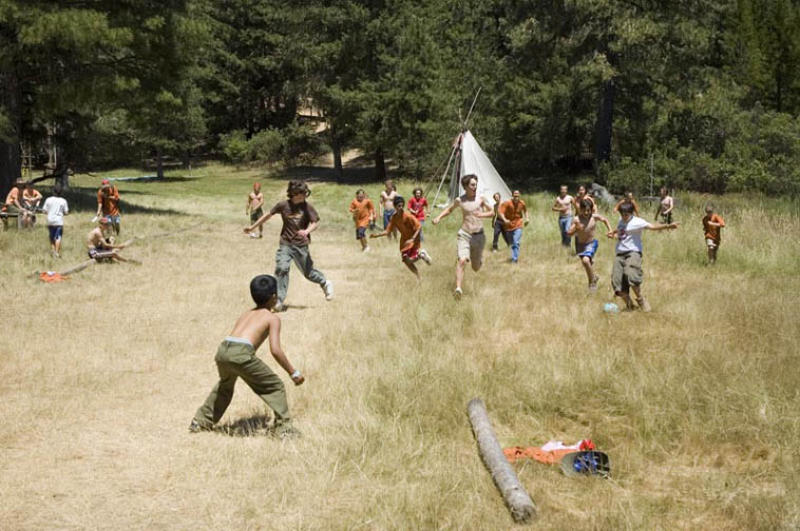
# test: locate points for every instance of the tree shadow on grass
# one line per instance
(257, 425)
(86, 199)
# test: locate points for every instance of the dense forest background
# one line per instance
(706, 93)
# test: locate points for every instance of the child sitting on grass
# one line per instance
(236, 357)
(408, 226)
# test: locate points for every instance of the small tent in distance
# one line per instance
(466, 158)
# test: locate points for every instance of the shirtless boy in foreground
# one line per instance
(236, 357)
(582, 228)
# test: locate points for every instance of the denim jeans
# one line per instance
(516, 236)
(563, 225)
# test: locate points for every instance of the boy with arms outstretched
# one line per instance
(236, 358)
(627, 271)
(408, 226)
(582, 228)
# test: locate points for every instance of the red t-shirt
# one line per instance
(418, 205)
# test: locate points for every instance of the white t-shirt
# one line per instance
(630, 234)
(56, 208)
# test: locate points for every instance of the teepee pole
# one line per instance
(446, 171)
(474, 100)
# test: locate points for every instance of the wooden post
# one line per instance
(514, 494)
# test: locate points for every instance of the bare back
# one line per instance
(255, 326)
(96, 240)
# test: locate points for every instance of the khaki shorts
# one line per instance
(627, 272)
(711, 244)
(470, 246)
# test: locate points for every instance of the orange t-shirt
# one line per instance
(363, 210)
(713, 233)
(407, 224)
(109, 202)
(513, 213)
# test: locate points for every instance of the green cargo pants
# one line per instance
(283, 259)
(238, 360)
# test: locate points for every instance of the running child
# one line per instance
(665, 206)
(471, 239)
(387, 202)
(417, 205)
(712, 226)
(563, 205)
(514, 215)
(236, 358)
(583, 227)
(409, 228)
(255, 202)
(497, 224)
(627, 271)
(627, 199)
(363, 212)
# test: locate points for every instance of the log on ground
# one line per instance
(516, 497)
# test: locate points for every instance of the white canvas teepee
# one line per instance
(470, 158)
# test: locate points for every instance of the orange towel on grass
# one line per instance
(50, 277)
(549, 454)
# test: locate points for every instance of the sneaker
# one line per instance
(365, 249)
(458, 293)
(287, 431)
(425, 256)
(195, 427)
(494, 250)
(327, 287)
(644, 305)
(279, 307)
(253, 235)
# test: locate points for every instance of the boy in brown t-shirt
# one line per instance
(408, 226)
(300, 219)
(363, 212)
(712, 226)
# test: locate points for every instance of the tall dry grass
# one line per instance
(696, 403)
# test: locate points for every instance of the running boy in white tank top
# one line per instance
(471, 238)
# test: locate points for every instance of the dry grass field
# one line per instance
(697, 403)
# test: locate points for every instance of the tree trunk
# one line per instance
(380, 165)
(336, 147)
(604, 124)
(514, 494)
(10, 154)
(159, 164)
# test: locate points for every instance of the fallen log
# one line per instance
(516, 497)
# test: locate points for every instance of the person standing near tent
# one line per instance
(255, 202)
(56, 208)
(409, 228)
(583, 227)
(497, 224)
(563, 205)
(108, 204)
(471, 239)
(514, 215)
(417, 205)
(627, 270)
(363, 212)
(387, 202)
(300, 219)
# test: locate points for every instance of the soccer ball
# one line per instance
(610, 307)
